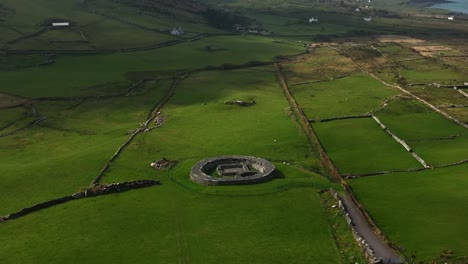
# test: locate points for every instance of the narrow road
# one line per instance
(381, 249)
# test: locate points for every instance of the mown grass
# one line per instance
(354, 95)
(360, 145)
(423, 213)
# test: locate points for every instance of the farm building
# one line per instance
(451, 18)
(368, 19)
(313, 19)
(61, 24)
(177, 31)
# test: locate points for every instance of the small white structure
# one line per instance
(451, 18)
(357, 10)
(177, 31)
(61, 24)
(313, 20)
(368, 19)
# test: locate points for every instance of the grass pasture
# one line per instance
(278, 221)
(199, 125)
(70, 74)
(423, 213)
(323, 63)
(68, 149)
(429, 71)
(71, 97)
(442, 152)
(360, 146)
(354, 95)
(413, 121)
(171, 224)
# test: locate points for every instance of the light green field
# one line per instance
(169, 224)
(199, 125)
(423, 213)
(360, 146)
(354, 95)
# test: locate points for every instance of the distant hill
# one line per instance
(181, 9)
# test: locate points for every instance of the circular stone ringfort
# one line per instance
(232, 170)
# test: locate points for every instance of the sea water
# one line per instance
(455, 5)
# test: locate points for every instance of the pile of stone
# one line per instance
(163, 164)
(240, 103)
(365, 247)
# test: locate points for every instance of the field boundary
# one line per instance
(326, 161)
(437, 110)
(95, 190)
(360, 175)
(143, 128)
(401, 142)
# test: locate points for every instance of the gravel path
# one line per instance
(381, 249)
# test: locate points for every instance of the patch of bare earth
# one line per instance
(8, 101)
(400, 40)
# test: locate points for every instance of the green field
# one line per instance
(423, 213)
(200, 125)
(353, 95)
(413, 121)
(77, 75)
(175, 218)
(68, 149)
(72, 97)
(170, 224)
(360, 146)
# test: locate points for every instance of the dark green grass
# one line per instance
(70, 74)
(360, 145)
(443, 152)
(103, 34)
(168, 224)
(7, 116)
(354, 95)
(412, 121)
(423, 213)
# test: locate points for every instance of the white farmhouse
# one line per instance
(313, 20)
(451, 18)
(177, 31)
(61, 24)
(368, 19)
